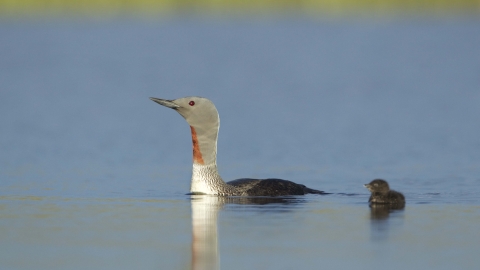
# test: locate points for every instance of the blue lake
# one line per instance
(93, 175)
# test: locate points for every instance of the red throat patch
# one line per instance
(197, 155)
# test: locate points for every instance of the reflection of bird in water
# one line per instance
(205, 210)
(382, 195)
(202, 116)
(204, 232)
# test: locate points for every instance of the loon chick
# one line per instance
(381, 194)
(202, 116)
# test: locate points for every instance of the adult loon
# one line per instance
(381, 194)
(202, 116)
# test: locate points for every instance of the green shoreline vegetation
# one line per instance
(52, 7)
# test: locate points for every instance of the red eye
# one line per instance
(191, 103)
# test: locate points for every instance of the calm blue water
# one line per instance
(93, 174)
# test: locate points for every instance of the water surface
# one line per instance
(94, 175)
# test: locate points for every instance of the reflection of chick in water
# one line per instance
(382, 195)
(380, 211)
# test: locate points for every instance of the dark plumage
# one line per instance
(271, 187)
(381, 194)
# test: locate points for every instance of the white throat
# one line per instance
(206, 180)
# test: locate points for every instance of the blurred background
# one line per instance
(331, 93)
(210, 7)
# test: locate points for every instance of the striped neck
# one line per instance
(205, 176)
(206, 180)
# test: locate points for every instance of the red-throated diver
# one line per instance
(202, 116)
(381, 194)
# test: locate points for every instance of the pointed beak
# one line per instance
(367, 185)
(167, 103)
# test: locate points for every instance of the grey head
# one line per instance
(202, 116)
(198, 111)
(378, 185)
